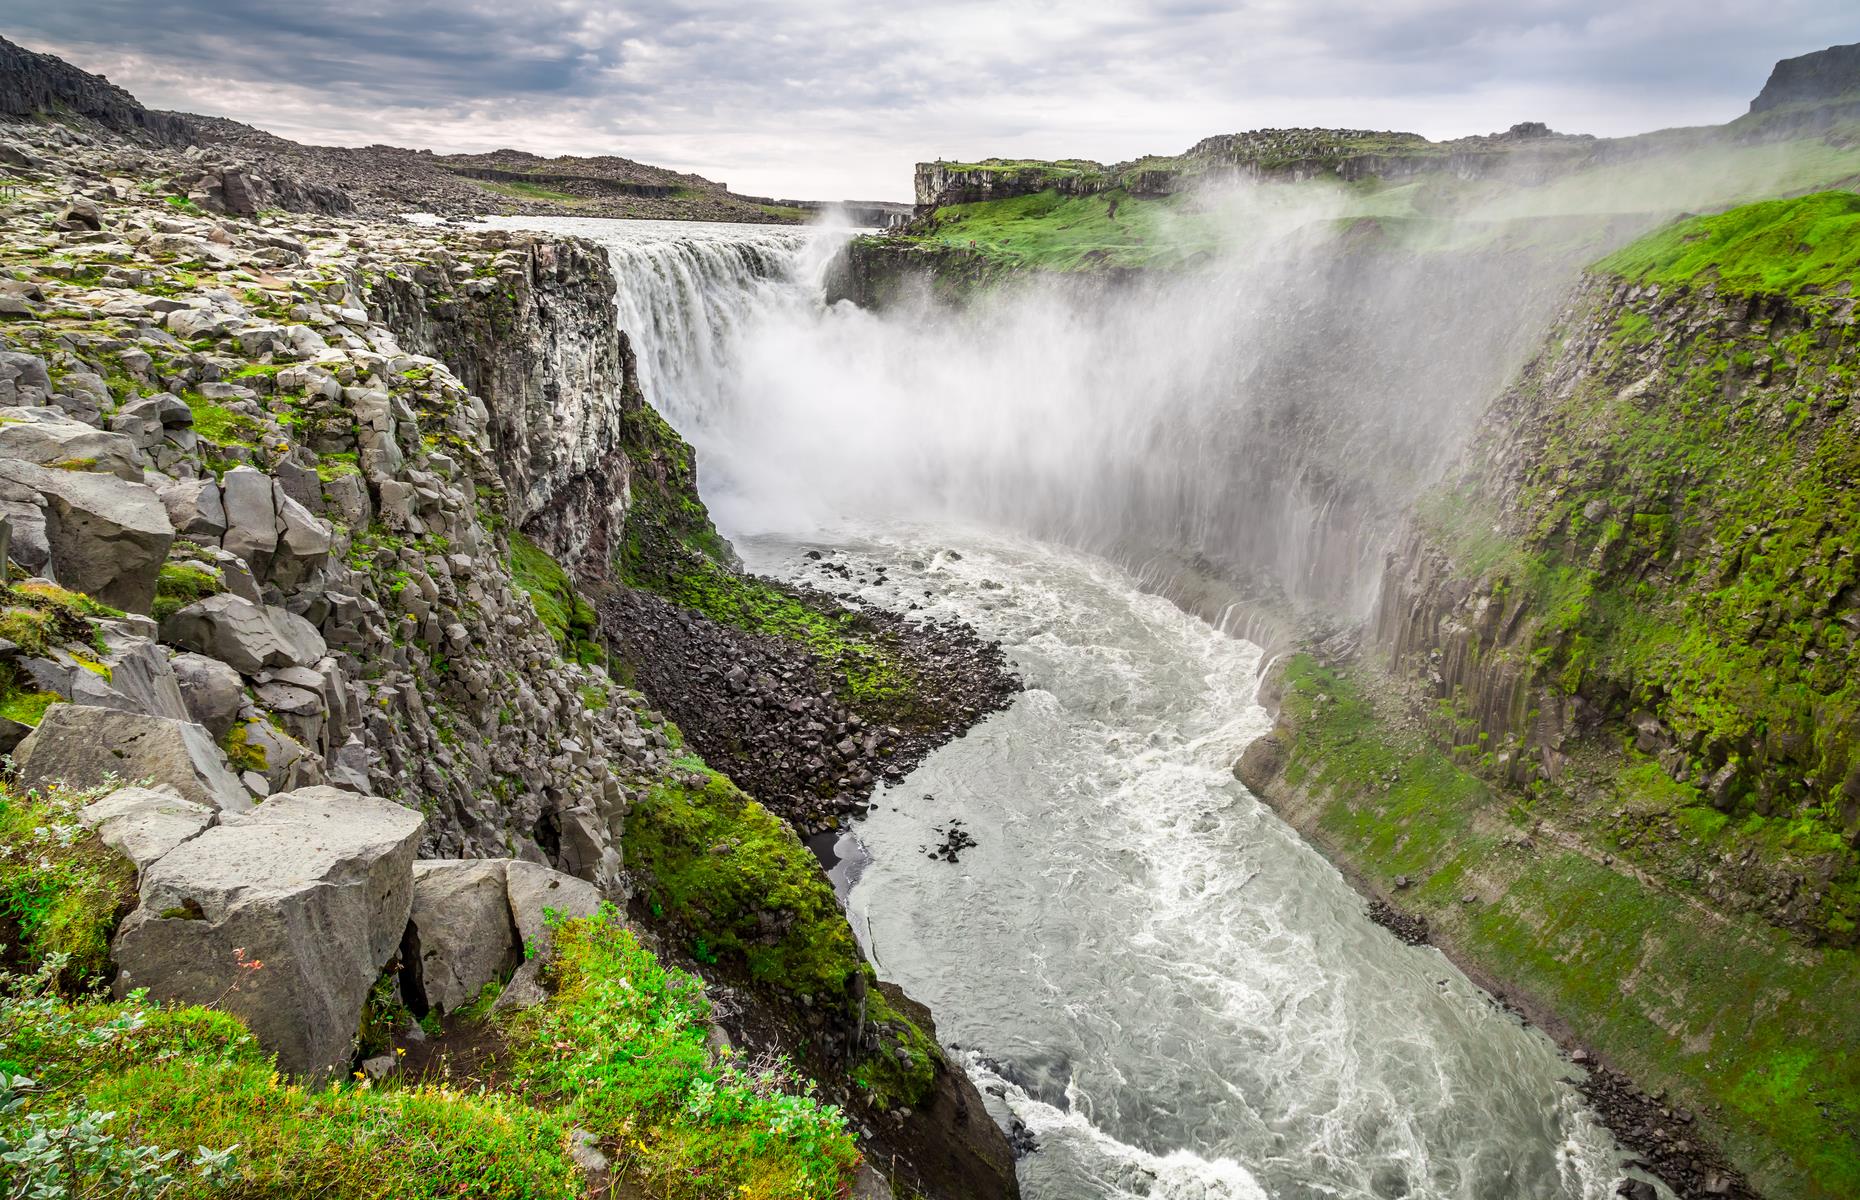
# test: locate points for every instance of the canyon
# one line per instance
(1319, 665)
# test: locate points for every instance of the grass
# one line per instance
(1810, 244)
(61, 888)
(529, 191)
(618, 1049)
(1732, 1015)
(622, 1046)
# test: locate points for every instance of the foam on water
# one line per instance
(1176, 994)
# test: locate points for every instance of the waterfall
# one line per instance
(1267, 414)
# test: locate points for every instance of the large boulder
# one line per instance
(314, 887)
(251, 637)
(85, 746)
(460, 936)
(535, 892)
(251, 512)
(49, 438)
(474, 920)
(213, 692)
(144, 824)
(107, 537)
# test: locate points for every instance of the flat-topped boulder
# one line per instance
(284, 916)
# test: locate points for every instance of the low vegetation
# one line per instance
(567, 615)
(136, 1098)
(1772, 1048)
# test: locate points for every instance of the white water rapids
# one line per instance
(1176, 995)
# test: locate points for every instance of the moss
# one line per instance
(739, 883)
(901, 1071)
(221, 425)
(241, 751)
(61, 889)
(179, 585)
(1770, 1032)
(564, 612)
(25, 706)
(1776, 247)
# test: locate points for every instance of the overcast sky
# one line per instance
(834, 99)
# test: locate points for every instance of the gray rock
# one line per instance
(303, 542)
(315, 884)
(80, 213)
(249, 636)
(251, 517)
(194, 508)
(83, 746)
(460, 936)
(106, 537)
(141, 674)
(48, 437)
(536, 891)
(143, 824)
(212, 691)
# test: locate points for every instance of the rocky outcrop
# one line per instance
(33, 84)
(313, 886)
(484, 921)
(1830, 74)
(107, 537)
(88, 746)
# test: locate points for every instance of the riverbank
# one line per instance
(1746, 1037)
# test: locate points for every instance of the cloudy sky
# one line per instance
(836, 98)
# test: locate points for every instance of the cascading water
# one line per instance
(1176, 995)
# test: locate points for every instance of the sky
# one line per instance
(836, 99)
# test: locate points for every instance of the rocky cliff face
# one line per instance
(1651, 542)
(302, 509)
(1829, 74)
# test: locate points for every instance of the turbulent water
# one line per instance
(1173, 993)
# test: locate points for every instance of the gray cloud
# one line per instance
(837, 97)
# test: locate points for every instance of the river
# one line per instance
(1174, 993)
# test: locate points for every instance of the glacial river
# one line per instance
(1176, 995)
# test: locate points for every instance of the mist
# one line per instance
(1263, 416)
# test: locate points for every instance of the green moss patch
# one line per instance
(1778, 247)
(179, 585)
(563, 611)
(1740, 1021)
(738, 882)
